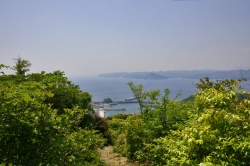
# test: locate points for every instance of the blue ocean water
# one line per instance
(118, 90)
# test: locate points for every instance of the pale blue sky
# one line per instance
(90, 37)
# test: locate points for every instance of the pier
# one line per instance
(102, 108)
(114, 109)
(118, 102)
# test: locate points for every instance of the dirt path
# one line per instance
(113, 159)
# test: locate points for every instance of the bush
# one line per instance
(36, 131)
(99, 124)
(217, 132)
(212, 130)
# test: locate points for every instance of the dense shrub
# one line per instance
(134, 134)
(217, 132)
(38, 127)
(211, 130)
(95, 122)
(116, 126)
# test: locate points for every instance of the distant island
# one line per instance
(135, 75)
(185, 74)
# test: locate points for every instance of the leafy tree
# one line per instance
(21, 66)
(212, 130)
(138, 93)
(37, 129)
(135, 134)
(66, 94)
(217, 132)
(145, 98)
(107, 100)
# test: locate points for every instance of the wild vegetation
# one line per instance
(211, 130)
(41, 118)
(47, 120)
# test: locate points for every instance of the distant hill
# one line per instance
(233, 74)
(153, 76)
(135, 75)
(188, 74)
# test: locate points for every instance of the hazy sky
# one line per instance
(90, 37)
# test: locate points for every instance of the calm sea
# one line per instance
(118, 90)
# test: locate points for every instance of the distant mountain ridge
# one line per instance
(188, 74)
(135, 75)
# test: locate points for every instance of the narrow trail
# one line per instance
(113, 159)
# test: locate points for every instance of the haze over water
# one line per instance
(118, 90)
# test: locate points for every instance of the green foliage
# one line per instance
(188, 99)
(211, 130)
(99, 124)
(39, 121)
(118, 116)
(135, 134)
(116, 126)
(22, 66)
(217, 132)
(107, 100)
(138, 94)
(242, 96)
(143, 96)
(66, 94)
